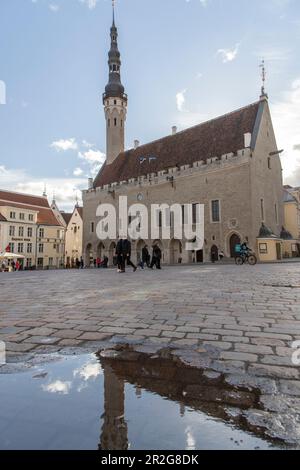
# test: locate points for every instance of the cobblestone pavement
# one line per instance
(244, 319)
(229, 321)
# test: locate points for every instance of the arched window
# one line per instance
(109, 123)
(115, 120)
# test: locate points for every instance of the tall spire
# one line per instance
(263, 95)
(114, 88)
(114, 99)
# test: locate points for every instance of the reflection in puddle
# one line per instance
(132, 401)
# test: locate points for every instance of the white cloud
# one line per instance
(78, 172)
(180, 99)
(88, 371)
(58, 387)
(92, 156)
(91, 4)
(286, 119)
(65, 189)
(53, 7)
(228, 55)
(64, 144)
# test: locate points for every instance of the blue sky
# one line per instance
(183, 62)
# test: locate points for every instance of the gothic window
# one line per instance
(262, 210)
(115, 121)
(115, 101)
(121, 122)
(269, 163)
(109, 123)
(215, 211)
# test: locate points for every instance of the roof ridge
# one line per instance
(22, 194)
(193, 127)
(25, 204)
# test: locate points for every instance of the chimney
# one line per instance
(136, 144)
(90, 183)
(174, 130)
(247, 139)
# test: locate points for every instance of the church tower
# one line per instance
(114, 100)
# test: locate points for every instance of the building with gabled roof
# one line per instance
(74, 236)
(229, 164)
(29, 227)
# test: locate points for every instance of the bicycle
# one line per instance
(246, 257)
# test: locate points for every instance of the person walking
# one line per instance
(145, 256)
(127, 254)
(81, 263)
(120, 257)
(156, 257)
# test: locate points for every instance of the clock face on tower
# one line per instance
(140, 197)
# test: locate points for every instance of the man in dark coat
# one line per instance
(145, 256)
(127, 253)
(123, 252)
(156, 257)
(120, 256)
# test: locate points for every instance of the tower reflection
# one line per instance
(114, 430)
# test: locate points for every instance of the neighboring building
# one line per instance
(291, 230)
(58, 214)
(74, 234)
(230, 164)
(29, 227)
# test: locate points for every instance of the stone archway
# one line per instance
(214, 254)
(89, 255)
(234, 240)
(100, 250)
(175, 251)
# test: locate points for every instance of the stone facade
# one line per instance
(74, 234)
(30, 228)
(229, 165)
(247, 185)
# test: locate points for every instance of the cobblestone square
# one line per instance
(237, 321)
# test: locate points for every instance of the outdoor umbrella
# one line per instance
(11, 256)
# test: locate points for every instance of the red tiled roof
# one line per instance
(40, 201)
(35, 203)
(210, 139)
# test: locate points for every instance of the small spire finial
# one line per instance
(263, 76)
(45, 190)
(113, 7)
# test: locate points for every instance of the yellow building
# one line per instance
(291, 231)
(28, 227)
(74, 234)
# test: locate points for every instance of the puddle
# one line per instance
(126, 400)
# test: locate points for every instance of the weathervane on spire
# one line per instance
(263, 76)
(113, 6)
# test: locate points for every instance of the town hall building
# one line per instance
(230, 164)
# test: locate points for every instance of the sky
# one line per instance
(183, 62)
